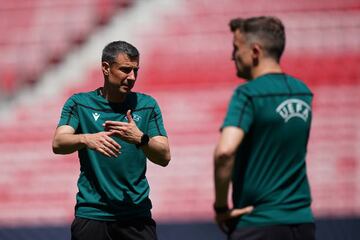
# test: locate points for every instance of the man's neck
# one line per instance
(112, 95)
(265, 67)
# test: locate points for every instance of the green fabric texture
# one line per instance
(112, 188)
(274, 111)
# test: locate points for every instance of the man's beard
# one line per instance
(244, 73)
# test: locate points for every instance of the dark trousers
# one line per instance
(137, 229)
(304, 231)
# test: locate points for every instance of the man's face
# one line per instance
(242, 55)
(122, 73)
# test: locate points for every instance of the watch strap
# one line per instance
(144, 140)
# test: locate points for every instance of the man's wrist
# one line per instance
(144, 140)
(83, 139)
(220, 209)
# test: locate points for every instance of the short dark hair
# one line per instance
(113, 49)
(269, 31)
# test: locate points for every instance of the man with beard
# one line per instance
(263, 142)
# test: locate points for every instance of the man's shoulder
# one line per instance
(252, 86)
(143, 95)
(144, 99)
(82, 96)
(274, 84)
(247, 88)
(298, 84)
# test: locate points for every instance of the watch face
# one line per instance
(145, 139)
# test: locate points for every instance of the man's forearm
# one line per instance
(222, 176)
(157, 152)
(68, 143)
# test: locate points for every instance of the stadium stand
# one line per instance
(42, 32)
(186, 65)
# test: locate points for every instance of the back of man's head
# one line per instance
(113, 49)
(269, 32)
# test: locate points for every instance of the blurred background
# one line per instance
(50, 49)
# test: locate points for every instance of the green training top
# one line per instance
(274, 111)
(112, 188)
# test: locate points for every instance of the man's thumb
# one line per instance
(128, 115)
(238, 212)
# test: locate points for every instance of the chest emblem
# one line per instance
(293, 108)
(96, 116)
(136, 118)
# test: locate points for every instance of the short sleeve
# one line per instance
(240, 112)
(156, 125)
(69, 114)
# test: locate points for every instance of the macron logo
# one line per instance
(96, 116)
(293, 108)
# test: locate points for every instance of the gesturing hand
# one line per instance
(103, 143)
(128, 131)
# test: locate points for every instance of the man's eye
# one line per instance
(126, 69)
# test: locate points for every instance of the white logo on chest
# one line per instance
(136, 118)
(293, 108)
(96, 116)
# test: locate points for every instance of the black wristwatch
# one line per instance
(144, 140)
(219, 210)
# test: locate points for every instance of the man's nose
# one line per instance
(233, 56)
(132, 75)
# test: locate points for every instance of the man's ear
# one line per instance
(257, 51)
(105, 66)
